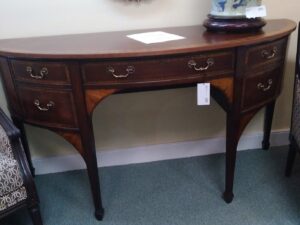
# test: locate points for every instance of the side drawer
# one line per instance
(265, 53)
(261, 87)
(48, 107)
(160, 69)
(41, 72)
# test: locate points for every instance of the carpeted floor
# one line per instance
(175, 192)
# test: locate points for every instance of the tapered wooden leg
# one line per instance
(290, 159)
(235, 126)
(90, 158)
(19, 124)
(232, 137)
(92, 169)
(86, 135)
(36, 215)
(85, 144)
(268, 125)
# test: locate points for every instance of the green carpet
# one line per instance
(175, 192)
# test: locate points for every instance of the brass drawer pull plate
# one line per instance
(263, 87)
(129, 70)
(269, 54)
(192, 64)
(43, 72)
(49, 105)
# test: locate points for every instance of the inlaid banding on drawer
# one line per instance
(160, 69)
(48, 107)
(265, 53)
(41, 72)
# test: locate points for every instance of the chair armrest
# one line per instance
(11, 131)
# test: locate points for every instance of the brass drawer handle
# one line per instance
(129, 70)
(263, 87)
(43, 72)
(49, 105)
(192, 64)
(269, 54)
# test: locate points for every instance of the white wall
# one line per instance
(129, 120)
(46, 17)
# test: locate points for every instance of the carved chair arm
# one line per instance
(9, 137)
(14, 149)
(11, 131)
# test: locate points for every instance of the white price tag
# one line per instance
(256, 11)
(203, 94)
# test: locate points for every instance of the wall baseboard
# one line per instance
(155, 152)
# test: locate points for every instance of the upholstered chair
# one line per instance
(295, 130)
(17, 188)
(295, 122)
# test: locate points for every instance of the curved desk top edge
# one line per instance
(90, 46)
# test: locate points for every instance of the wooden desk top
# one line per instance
(117, 45)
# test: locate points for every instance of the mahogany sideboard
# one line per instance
(56, 82)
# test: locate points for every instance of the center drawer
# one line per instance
(48, 107)
(160, 69)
